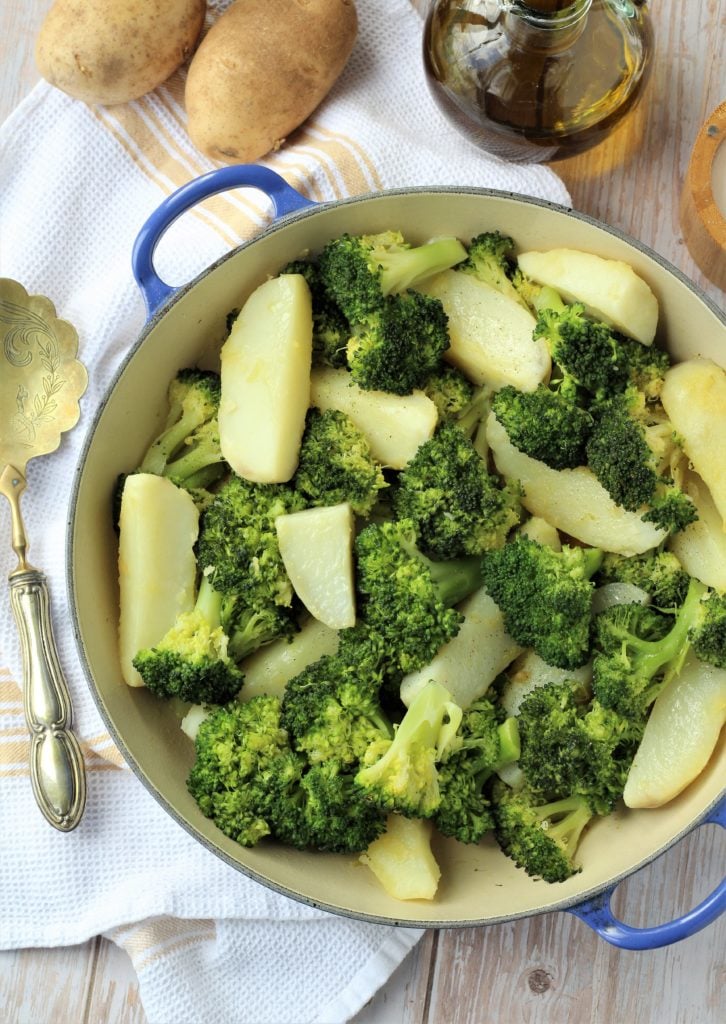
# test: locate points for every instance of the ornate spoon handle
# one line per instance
(57, 770)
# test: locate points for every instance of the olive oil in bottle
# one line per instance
(538, 80)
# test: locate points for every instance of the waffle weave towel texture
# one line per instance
(208, 943)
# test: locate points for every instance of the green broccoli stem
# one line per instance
(197, 467)
(547, 298)
(570, 815)
(405, 268)
(209, 602)
(454, 578)
(673, 648)
(593, 559)
(509, 743)
(162, 449)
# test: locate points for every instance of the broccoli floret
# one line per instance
(398, 345)
(639, 649)
(484, 743)
(708, 633)
(570, 748)
(401, 774)
(359, 271)
(405, 599)
(238, 550)
(598, 358)
(658, 573)
(491, 259)
(548, 423)
(450, 391)
(244, 769)
(193, 399)
(340, 818)
(542, 839)
(545, 597)
(192, 659)
(456, 505)
(332, 710)
(250, 622)
(252, 784)
(630, 450)
(331, 330)
(336, 463)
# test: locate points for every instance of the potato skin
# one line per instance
(262, 69)
(113, 51)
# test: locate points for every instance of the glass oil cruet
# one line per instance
(536, 80)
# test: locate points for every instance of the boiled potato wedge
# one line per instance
(490, 333)
(268, 670)
(103, 51)
(694, 398)
(395, 425)
(701, 547)
(316, 546)
(572, 500)
(680, 735)
(610, 290)
(158, 527)
(529, 671)
(265, 381)
(262, 68)
(402, 861)
(469, 663)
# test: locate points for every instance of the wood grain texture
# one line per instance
(550, 969)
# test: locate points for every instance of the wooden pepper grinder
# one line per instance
(703, 199)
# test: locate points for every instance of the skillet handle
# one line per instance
(285, 199)
(598, 914)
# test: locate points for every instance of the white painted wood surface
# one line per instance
(551, 969)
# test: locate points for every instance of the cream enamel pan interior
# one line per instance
(478, 885)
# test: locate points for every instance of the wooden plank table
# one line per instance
(550, 969)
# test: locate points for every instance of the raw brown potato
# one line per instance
(262, 69)
(113, 51)
(158, 527)
(572, 500)
(610, 290)
(694, 398)
(265, 375)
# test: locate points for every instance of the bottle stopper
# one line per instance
(703, 199)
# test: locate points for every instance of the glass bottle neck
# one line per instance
(546, 24)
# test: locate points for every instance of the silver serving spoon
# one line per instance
(41, 382)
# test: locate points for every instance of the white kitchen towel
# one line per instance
(76, 184)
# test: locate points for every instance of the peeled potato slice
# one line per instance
(265, 374)
(490, 333)
(610, 290)
(680, 735)
(268, 670)
(158, 527)
(402, 861)
(316, 546)
(395, 425)
(694, 398)
(469, 663)
(572, 500)
(701, 547)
